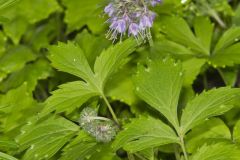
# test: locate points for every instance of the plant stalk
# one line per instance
(215, 15)
(183, 148)
(176, 152)
(110, 109)
(222, 76)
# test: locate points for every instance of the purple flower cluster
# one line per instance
(131, 17)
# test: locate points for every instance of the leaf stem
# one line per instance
(176, 152)
(222, 76)
(205, 83)
(110, 108)
(215, 15)
(183, 148)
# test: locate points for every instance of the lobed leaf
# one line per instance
(214, 130)
(182, 35)
(15, 59)
(208, 104)
(218, 151)
(15, 107)
(69, 96)
(192, 68)
(203, 29)
(227, 56)
(112, 58)
(71, 59)
(159, 84)
(24, 13)
(51, 133)
(229, 37)
(143, 133)
(87, 14)
(85, 147)
(31, 73)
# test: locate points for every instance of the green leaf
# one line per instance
(213, 130)
(43, 34)
(31, 73)
(15, 28)
(143, 133)
(4, 156)
(182, 35)
(171, 47)
(211, 8)
(69, 97)
(15, 59)
(25, 13)
(7, 3)
(229, 37)
(112, 58)
(3, 40)
(192, 68)
(70, 58)
(204, 30)
(229, 75)
(91, 46)
(16, 105)
(227, 56)
(6, 144)
(208, 104)
(85, 147)
(219, 151)
(236, 17)
(34, 10)
(236, 132)
(80, 147)
(149, 153)
(105, 153)
(226, 51)
(87, 14)
(121, 86)
(51, 133)
(159, 84)
(222, 6)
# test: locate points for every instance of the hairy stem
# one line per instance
(110, 109)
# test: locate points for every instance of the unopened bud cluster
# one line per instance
(103, 129)
(132, 17)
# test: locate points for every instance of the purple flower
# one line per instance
(116, 27)
(145, 22)
(133, 29)
(130, 16)
(109, 9)
(152, 16)
(113, 25)
(121, 26)
(155, 2)
(126, 18)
